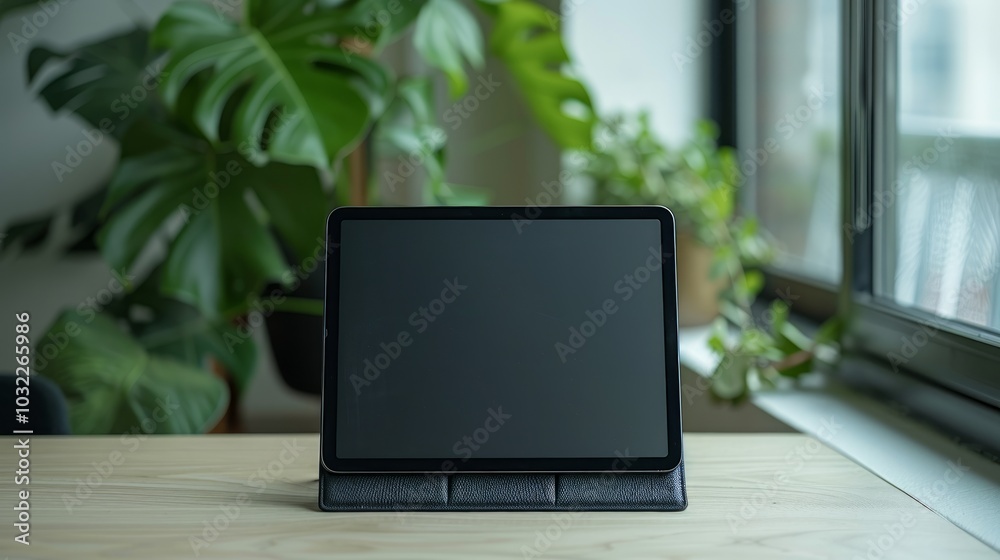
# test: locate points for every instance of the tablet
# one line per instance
(500, 339)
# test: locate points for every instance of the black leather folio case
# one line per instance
(598, 491)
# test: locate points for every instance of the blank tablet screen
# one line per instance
(489, 339)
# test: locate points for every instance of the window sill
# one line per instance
(946, 477)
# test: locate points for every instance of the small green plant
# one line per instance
(699, 181)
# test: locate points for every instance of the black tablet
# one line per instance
(499, 339)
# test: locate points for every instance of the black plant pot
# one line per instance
(297, 339)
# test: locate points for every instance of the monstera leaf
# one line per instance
(372, 23)
(526, 39)
(9, 6)
(113, 386)
(108, 83)
(447, 36)
(409, 138)
(276, 84)
(225, 251)
(168, 328)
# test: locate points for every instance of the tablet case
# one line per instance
(600, 491)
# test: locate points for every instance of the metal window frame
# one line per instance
(953, 355)
(734, 109)
(957, 356)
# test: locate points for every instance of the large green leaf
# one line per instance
(145, 190)
(531, 46)
(295, 203)
(26, 234)
(108, 83)
(34, 232)
(114, 386)
(372, 23)
(222, 257)
(167, 327)
(447, 36)
(9, 6)
(292, 92)
(225, 252)
(408, 136)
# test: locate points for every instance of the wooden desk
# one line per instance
(751, 496)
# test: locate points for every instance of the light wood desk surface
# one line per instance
(751, 496)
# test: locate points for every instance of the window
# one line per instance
(888, 184)
(923, 226)
(788, 82)
(938, 242)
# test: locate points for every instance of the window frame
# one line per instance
(733, 83)
(960, 357)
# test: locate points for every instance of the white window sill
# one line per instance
(949, 479)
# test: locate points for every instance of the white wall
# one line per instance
(636, 54)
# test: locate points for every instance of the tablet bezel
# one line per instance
(448, 465)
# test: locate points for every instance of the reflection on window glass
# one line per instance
(940, 242)
(792, 154)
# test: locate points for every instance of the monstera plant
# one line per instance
(236, 122)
